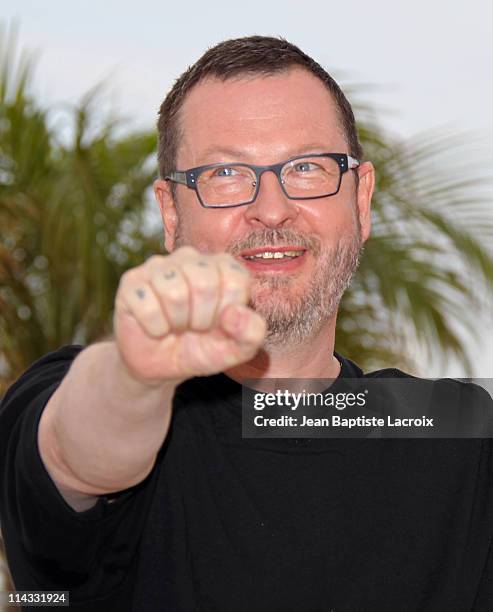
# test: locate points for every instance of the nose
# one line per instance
(271, 208)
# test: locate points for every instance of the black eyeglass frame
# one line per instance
(190, 177)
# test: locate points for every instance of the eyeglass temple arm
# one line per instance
(352, 163)
(177, 177)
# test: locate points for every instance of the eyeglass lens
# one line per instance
(307, 177)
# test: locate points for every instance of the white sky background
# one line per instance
(431, 60)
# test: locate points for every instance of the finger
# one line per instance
(245, 326)
(235, 282)
(172, 291)
(203, 279)
(139, 300)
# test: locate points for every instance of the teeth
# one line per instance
(274, 255)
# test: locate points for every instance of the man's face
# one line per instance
(266, 120)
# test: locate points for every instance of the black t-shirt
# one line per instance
(233, 524)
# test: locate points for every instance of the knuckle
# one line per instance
(127, 277)
(185, 251)
(226, 257)
(153, 316)
(120, 305)
(162, 278)
(232, 278)
(131, 278)
(235, 286)
(232, 264)
(146, 310)
(156, 260)
(175, 296)
(234, 294)
(204, 287)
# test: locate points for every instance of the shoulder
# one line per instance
(350, 369)
(52, 362)
(465, 388)
(49, 366)
(43, 374)
(400, 385)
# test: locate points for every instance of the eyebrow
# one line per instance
(227, 152)
(238, 154)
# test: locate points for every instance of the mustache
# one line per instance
(275, 237)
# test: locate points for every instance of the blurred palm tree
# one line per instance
(427, 272)
(74, 214)
(72, 218)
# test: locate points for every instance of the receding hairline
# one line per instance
(252, 75)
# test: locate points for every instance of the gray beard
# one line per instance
(295, 319)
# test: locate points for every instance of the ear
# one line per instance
(169, 215)
(366, 174)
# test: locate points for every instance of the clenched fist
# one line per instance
(184, 315)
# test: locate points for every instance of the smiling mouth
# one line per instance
(269, 255)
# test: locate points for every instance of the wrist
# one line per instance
(133, 383)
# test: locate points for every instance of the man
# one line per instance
(125, 477)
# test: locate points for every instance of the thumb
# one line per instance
(243, 324)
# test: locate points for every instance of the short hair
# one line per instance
(251, 55)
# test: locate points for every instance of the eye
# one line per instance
(304, 167)
(225, 171)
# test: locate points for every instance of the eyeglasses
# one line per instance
(306, 177)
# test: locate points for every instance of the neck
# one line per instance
(312, 359)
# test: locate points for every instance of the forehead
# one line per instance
(259, 117)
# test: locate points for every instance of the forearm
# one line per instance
(101, 430)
